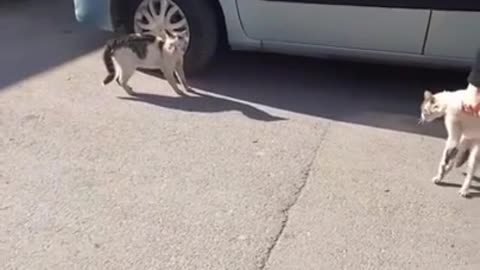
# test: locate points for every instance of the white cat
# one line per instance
(463, 132)
(122, 56)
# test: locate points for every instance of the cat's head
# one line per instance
(177, 40)
(431, 107)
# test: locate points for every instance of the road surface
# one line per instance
(278, 163)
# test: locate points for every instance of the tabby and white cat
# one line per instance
(463, 130)
(123, 56)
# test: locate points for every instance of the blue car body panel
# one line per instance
(94, 12)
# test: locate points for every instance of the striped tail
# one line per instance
(107, 60)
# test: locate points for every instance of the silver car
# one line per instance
(444, 32)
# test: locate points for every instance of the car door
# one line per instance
(454, 30)
(379, 25)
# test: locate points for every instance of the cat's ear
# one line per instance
(427, 95)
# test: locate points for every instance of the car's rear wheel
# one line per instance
(195, 18)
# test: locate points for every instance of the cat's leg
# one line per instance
(463, 152)
(446, 164)
(170, 76)
(450, 151)
(125, 75)
(183, 81)
(181, 77)
(472, 166)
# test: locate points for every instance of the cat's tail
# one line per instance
(107, 60)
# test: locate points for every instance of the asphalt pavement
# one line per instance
(278, 162)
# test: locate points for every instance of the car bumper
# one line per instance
(94, 12)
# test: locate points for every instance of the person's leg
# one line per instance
(472, 99)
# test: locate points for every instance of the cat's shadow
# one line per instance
(200, 102)
(471, 195)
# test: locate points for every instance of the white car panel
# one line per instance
(235, 33)
(367, 28)
(453, 34)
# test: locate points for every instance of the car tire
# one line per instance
(204, 33)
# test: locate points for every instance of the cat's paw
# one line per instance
(436, 180)
(129, 90)
(463, 192)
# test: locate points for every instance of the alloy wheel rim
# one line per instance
(160, 16)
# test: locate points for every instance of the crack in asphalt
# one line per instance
(296, 195)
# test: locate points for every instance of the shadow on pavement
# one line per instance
(205, 104)
(471, 194)
(376, 95)
(40, 35)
